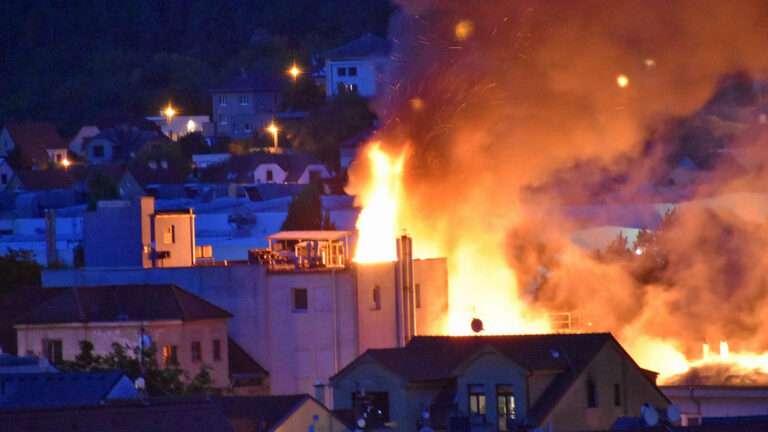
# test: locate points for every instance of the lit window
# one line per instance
(591, 394)
(169, 236)
(341, 71)
(170, 355)
(300, 300)
(376, 298)
(216, 349)
(222, 100)
(476, 399)
(196, 351)
(243, 99)
(505, 402)
(52, 349)
(417, 294)
(352, 71)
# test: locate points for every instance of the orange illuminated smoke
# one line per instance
(622, 81)
(376, 224)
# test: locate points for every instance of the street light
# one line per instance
(273, 130)
(294, 71)
(169, 113)
(66, 163)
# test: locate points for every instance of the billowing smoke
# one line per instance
(511, 110)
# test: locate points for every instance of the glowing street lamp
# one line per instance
(294, 71)
(169, 113)
(272, 128)
(66, 163)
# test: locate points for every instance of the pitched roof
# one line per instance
(56, 389)
(147, 415)
(15, 304)
(35, 138)
(50, 179)
(241, 364)
(145, 175)
(240, 168)
(271, 410)
(366, 46)
(123, 303)
(254, 80)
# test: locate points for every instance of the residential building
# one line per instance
(122, 142)
(698, 402)
(146, 415)
(85, 133)
(140, 236)
(38, 144)
(246, 104)
(559, 382)
(185, 328)
(59, 389)
(258, 168)
(279, 414)
(6, 174)
(357, 66)
(177, 126)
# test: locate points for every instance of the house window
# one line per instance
(58, 157)
(341, 71)
(222, 100)
(243, 99)
(196, 351)
(3, 178)
(617, 394)
(476, 400)
(417, 294)
(375, 405)
(216, 349)
(300, 300)
(170, 355)
(352, 71)
(270, 176)
(591, 394)
(247, 127)
(353, 88)
(169, 236)
(234, 127)
(98, 151)
(376, 298)
(222, 119)
(505, 402)
(52, 349)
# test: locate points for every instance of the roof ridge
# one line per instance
(178, 301)
(76, 294)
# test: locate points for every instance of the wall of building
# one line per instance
(127, 223)
(258, 113)
(610, 366)
(6, 174)
(260, 173)
(367, 78)
(306, 176)
(103, 335)
(719, 401)
(175, 234)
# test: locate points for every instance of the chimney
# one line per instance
(404, 296)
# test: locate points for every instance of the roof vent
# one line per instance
(153, 164)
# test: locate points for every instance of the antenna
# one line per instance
(650, 415)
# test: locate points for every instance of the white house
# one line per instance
(356, 66)
(83, 135)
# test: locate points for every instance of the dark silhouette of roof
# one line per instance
(15, 304)
(123, 303)
(239, 168)
(127, 140)
(241, 364)
(146, 415)
(254, 80)
(145, 175)
(708, 424)
(50, 179)
(56, 389)
(367, 46)
(269, 411)
(33, 139)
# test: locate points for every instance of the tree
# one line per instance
(100, 187)
(166, 380)
(305, 211)
(18, 269)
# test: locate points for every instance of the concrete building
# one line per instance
(357, 67)
(559, 382)
(246, 104)
(139, 235)
(185, 328)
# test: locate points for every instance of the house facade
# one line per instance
(246, 104)
(185, 328)
(38, 144)
(558, 382)
(83, 135)
(6, 174)
(265, 168)
(357, 67)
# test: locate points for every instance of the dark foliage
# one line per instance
(18, 270)
(100, 187)
(305, 211)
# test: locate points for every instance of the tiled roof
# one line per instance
(146, 175)
(35, 138)
(255, 80)
(368, 45)
(15, 304)
(50, 179)
(123, 303)
(56, 389)
(272, 410)
(146, 415)
(241, 363)
(240, 169)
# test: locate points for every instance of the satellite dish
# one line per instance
(425, 415)
(673, 413)
(650, 415)
(140, 383)
(477, 325)
(361, 422)
(554, 353)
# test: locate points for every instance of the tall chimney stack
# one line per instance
(404, 296)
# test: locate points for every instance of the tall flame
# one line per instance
(376, 224)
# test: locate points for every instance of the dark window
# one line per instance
(234, 127)
(170, 355)
(3, 178)
(98, 151)
(376, 298)
(270, 176)
(315, 176)
(591, 394)
(247, 127)
(169, 236)
(505, 402)
(300, 301)
(476, 399)
(216, 349)
(373, 407)
(52, 349)
(197, 351)
(58, 157)
(341, 71)
(353, 88)
(417, 294)
(352, 71)
(617, 394)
